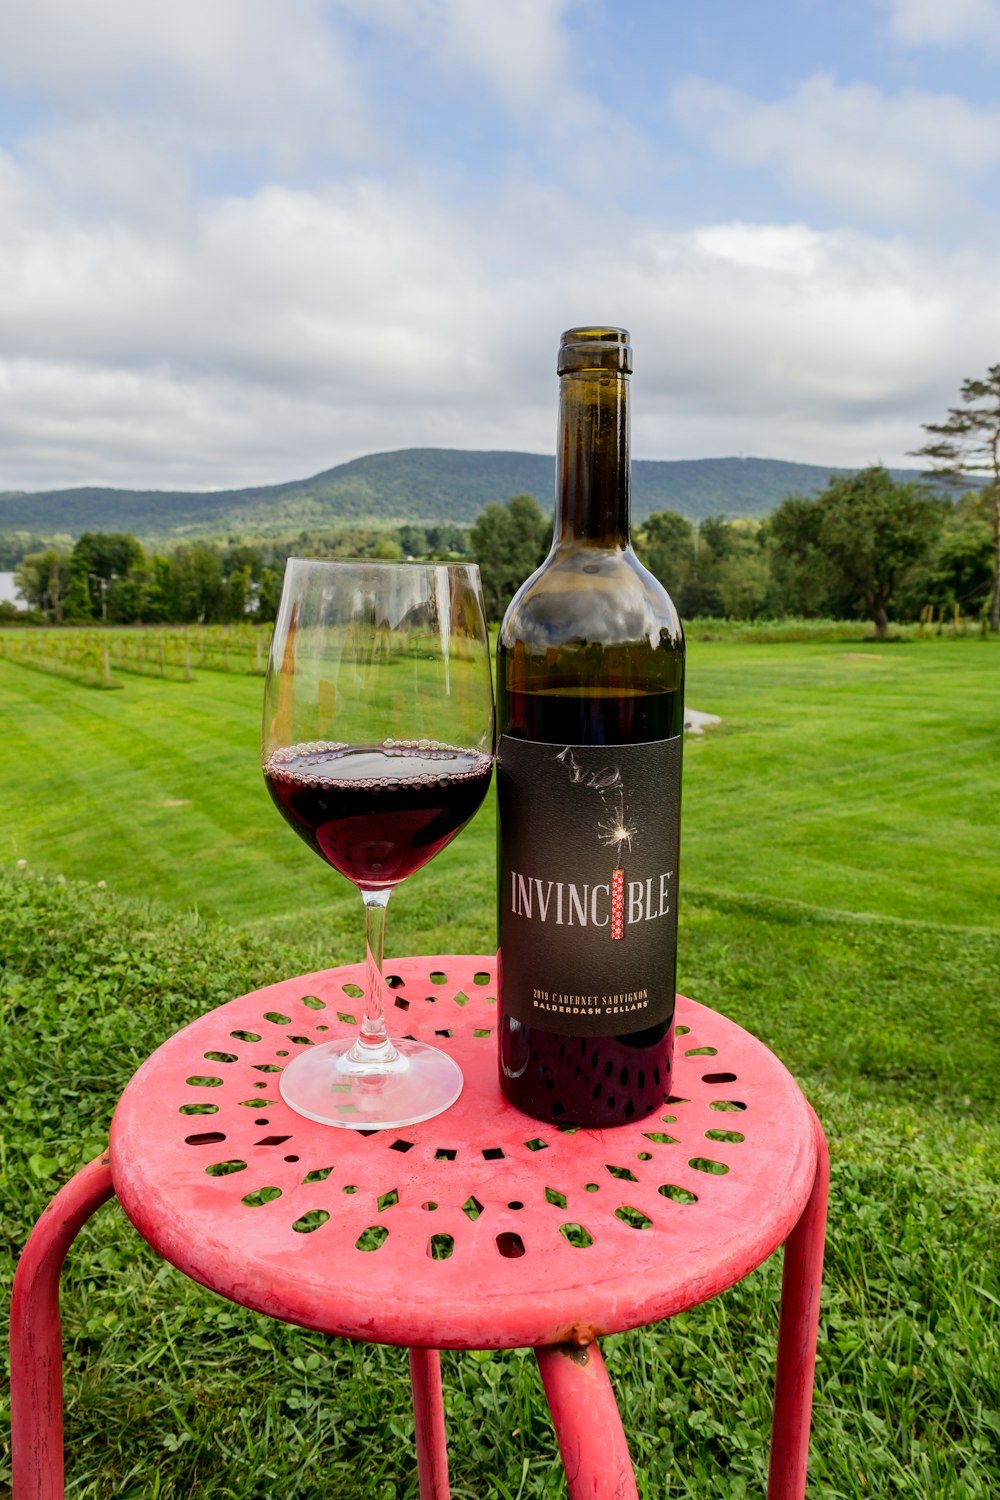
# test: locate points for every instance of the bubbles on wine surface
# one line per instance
(330, 763)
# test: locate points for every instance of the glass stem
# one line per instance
(373, 1045)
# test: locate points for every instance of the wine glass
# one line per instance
(377, 748)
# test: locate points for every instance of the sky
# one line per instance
(242, 241)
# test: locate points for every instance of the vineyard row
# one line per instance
(96, 658)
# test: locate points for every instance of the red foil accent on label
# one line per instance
(618, 904)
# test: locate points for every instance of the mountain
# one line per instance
(414, 484)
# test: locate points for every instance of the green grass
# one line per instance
(841, 882)
(158, 790)
(786, 629)
(852, 778)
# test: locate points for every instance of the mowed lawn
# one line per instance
(158, 791)
(852, 778)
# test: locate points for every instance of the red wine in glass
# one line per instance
(377, 813)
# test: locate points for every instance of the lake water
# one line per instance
(8, 593)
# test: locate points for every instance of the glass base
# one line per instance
(323, 1084)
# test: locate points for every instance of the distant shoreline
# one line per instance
(8, 591)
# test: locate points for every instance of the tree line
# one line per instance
(867, 546)
(110, 578)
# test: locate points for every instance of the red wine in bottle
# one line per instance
(590, 701)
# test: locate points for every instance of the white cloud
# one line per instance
(889, 159)
(156, 330)
(234, 76)
(520, 46)
(519, 49)
(782, 341)
(520, 54)
(265, 338)
(951, 23)
(104, 169)
(249, 49)
(63, 44)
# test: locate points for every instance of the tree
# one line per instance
(43, 580)
(667, 547)
(201, 589)
(802, 579)
(270, 594)
(731, 576)
(968, 442)
(238, 587)
(743, 580)
(100, 558)
(722, 569)
(959, 573)
(874, 533)
(508, 543)
(159, 602)
(447, 540)
(412, 540)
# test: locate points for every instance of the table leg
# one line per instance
(36, 1335)
(428, 1413)
(589, 1428)
(800, 1289)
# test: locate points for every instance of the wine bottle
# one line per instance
(590, 708)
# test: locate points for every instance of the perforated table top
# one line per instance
(481, 1228)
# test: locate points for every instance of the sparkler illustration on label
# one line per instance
(614, 829)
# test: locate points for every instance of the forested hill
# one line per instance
(414, 484)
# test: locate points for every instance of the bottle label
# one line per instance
(589, 838)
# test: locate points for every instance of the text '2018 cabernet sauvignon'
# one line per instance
(590, 700)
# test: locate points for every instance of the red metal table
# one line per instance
(480, 1229)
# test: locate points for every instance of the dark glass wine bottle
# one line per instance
(590, 716)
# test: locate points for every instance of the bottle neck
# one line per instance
(592, 460)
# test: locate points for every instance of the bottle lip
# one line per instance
(596, 347)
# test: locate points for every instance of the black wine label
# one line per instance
(589, 839)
